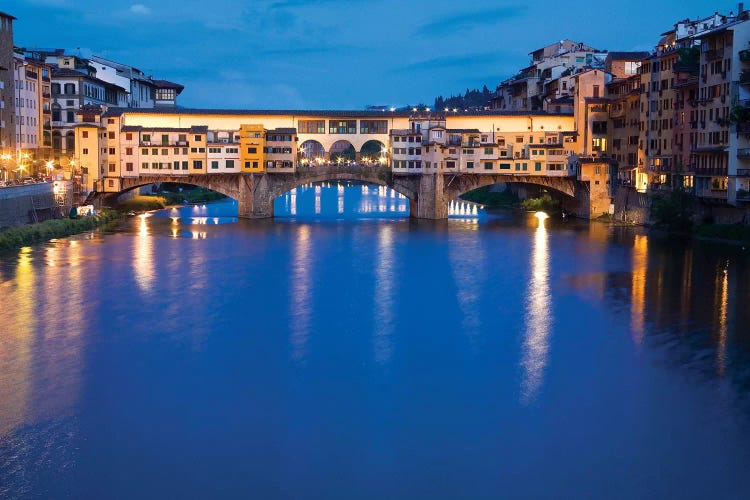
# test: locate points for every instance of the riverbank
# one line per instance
(144, 203)
(17, 237)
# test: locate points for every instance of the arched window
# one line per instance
(56, 141)
(56, 89)
(70, 142)
(70, 88)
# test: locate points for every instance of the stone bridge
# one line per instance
(429, 194)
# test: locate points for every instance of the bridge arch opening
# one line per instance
(342, 198)
(311, 152)
(374, 152)
(342, 152)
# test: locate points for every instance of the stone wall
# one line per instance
(17, 204)
(632, 206)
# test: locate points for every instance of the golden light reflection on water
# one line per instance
(721, 300)
(143, 255)
(301, 292)
(384, 300)
(638, 287)
(538, 317)
(16, 343)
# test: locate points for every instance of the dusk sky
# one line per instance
(307, 54)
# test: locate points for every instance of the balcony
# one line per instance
(712, 55)
(743, 153)
(745, 78)
(743, 128)
(743, 172)
(744, 55)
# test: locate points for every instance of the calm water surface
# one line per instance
(344, 351)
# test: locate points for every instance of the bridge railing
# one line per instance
(368, 171)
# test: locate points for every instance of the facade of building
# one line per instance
(141, 89)
(7, 88)
(32, 81)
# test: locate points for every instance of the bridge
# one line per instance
(429, 194)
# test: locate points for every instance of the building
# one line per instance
(7, 87)
(141, 88)
(33, 119)
(166, 93)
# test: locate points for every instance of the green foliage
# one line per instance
(17, 237)
(690, 57)
(471, 99)
(142, 204)
(734, 232)
(544, 203)
(484, 196)
(738, 114)
(673, 211)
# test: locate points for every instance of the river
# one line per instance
(342, 350)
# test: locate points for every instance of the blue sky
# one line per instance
(307, 54)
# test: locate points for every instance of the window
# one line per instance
(128, 137)
(184, 165)
(111, 168)
(505, 166)
(165, 139)
(342, 126)
(85, 151)
(111, 151)
(165, 152)
(176, 165)
(146, 137)
(128, 151)
(252, 150)
(450, 164)
(488, 165)
(214, 164)
(538, 167)
(469, 164)
(155, 151)
(197, 138)
(85, 134)
(70, 116)
(488, 151)
(111, 135)
(144, 165)
(596, 90)
(129, 167)
(197, 164)
(373, 126)
(144, 152)
(230, 163)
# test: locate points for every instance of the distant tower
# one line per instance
(7, 87)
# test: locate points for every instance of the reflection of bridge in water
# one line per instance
(430, 194)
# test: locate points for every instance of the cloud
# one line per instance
(462, 22)
(140, 9)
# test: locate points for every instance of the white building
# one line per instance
(141, 88)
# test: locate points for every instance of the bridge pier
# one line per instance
(430, 201)
(255, 197)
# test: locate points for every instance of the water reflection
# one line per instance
(341, 200)
(143, 255)
(538, 316)
(301, 305)
(638, 287)
(721, 299)
(467, 259)
(384, 300)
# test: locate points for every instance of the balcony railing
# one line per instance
(743, 172)
(743, 153)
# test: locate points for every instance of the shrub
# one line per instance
(673, 211)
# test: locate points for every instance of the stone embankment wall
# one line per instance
(631, 206)
(17, 204)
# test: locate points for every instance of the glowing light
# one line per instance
(542, 216)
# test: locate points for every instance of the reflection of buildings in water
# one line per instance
(384, 291)
(317, 200)
(467, 255)
(143, 258)
(340, 198)
(59, 352)
(686, 284)
(301, 291)
(19, 325)
(538, 317)
(638, 287)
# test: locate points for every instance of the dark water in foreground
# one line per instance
(187, 355)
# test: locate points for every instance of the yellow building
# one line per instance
(252, 148)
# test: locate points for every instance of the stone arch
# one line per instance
(464, 183)
(230, 185)
(281, 188)
(342, 151)
(374, 151)
(310, 150)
